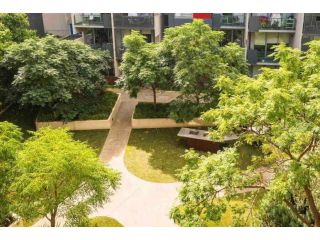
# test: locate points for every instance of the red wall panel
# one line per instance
(202, 15)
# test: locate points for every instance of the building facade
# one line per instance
(258, 33)
(107, 30)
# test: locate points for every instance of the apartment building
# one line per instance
(256, 32)
(106, 30)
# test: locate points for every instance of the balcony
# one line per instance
(271, 24)
(88, 20)
(137, 22)
(103, 46)
(233, 21)
(258, 57)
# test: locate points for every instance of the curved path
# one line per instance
(136, 202)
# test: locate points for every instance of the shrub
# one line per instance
(148, 110)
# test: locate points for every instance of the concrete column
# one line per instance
(297, 38)
(246, 35)
(115, 62)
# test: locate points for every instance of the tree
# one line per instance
(49, 72)
(279, 111)
(141, 66)
(56, 175)
(18, 25)
(10, 144)
(14, 28)
(195, 54)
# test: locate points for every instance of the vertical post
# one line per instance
(115, 63)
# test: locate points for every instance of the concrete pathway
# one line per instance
(136, 202)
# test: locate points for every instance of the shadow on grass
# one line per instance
(155, 152)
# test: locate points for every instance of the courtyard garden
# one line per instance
(157, 154)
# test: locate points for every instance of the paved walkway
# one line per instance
(136, 202)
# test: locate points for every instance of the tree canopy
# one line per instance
(50, 72)
(56, 176)
(279, 112)
(141, 66)
(197, 58)
(14, 28)
(10, 143)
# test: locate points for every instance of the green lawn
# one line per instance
(155, 154)
(147, 110)
(103, 221)
(22, 117)
(95, 138)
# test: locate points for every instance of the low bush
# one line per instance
(103, 221)
(148, 110)
(93, 107)
(184, 110)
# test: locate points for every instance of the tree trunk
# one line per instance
(295, 211)
(313, 208)
(53, 216)
(154, 97)
(5, 109)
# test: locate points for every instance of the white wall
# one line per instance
(57, 23)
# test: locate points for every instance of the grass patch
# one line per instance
(147, 110)
(87, 108)
(24, 117)
(155, 154)
(103, 221)
(95, 138)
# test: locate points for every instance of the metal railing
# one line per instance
(233, 20)
(88, 19)
(277, 23)
(123, 21)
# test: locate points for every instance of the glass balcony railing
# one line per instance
(277, 23)
(233, 20)
(264, 57)
(140, 21)
(88, 19)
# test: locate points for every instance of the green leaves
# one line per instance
(48, 71)
(55, 173)
(278, 112)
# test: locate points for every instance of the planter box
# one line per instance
(85, 124)
(166, 123)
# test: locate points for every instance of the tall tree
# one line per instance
(198, 59)
(56, 174)
(10, 144)
(141, 66)
(49, 72)
(279, 110)
(14, 28)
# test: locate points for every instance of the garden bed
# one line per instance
(101, 118)
(146, 116)
(149, 110)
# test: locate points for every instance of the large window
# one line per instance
(233, 36)
(264, 43)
